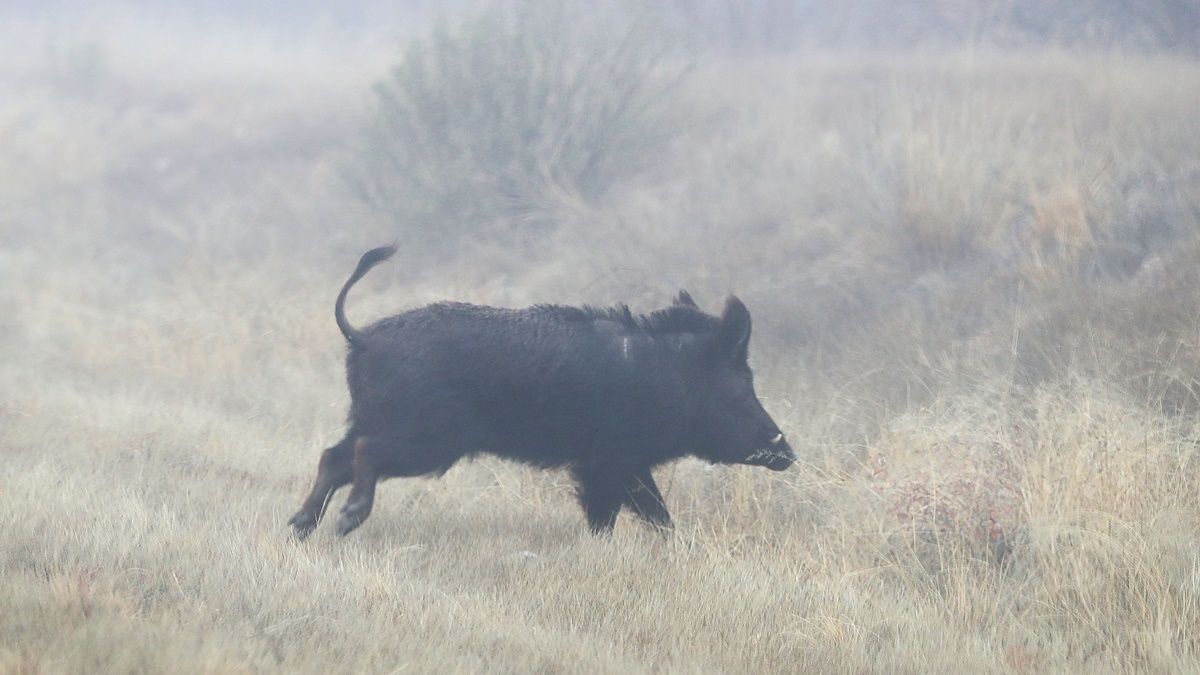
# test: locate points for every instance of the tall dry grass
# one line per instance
(986, 379)
(152, 456)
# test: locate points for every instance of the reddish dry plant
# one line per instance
(950, 494)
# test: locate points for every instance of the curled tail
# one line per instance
(369, 259)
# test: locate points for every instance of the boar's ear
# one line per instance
(685, 299)
(733, 335)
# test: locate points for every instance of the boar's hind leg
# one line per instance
(601, 498)
(365, 464)
(332, 473)
(643, 497)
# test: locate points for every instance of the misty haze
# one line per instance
(968, 233)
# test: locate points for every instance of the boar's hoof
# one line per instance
(352, 516)
(303, 523)
(346, 524)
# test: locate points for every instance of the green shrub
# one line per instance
(485, 125)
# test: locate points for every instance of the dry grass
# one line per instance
(171, 371)
(152, 457)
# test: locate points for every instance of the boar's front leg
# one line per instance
(644, 499)
(601, 497)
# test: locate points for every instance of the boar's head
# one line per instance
(732, 427)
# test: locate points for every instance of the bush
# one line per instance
(486, 125)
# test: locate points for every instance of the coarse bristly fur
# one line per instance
(603, 392)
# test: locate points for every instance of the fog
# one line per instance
(967, 233)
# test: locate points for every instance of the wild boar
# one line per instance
(601, 392)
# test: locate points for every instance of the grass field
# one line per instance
(973, 277)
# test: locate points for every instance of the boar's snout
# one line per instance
(775, 454)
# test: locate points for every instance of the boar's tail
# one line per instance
(369, 259)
